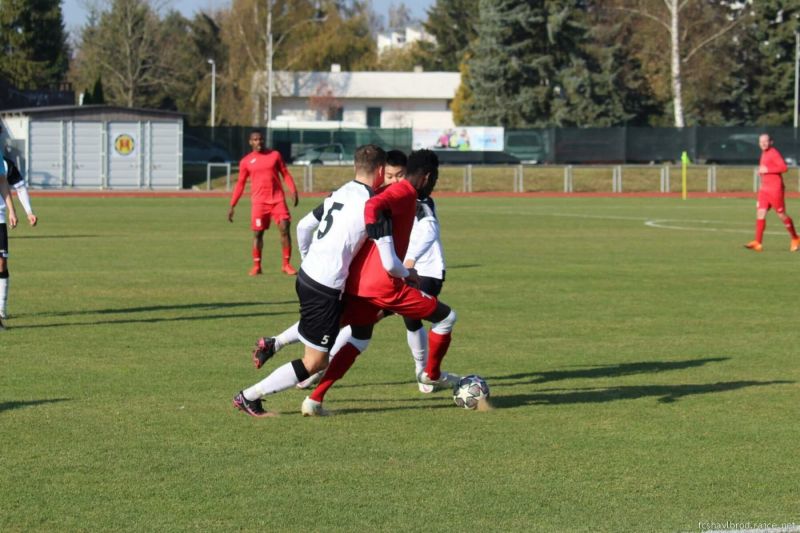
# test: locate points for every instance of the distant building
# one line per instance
(397, 39)
(366, 99)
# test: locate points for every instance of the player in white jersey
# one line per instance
(322, 277)
(425, 254)
(11, 179)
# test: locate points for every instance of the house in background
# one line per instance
(400, 39)
(365, 99)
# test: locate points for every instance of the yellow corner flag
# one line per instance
(684, 163)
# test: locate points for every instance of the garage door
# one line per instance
(46, 167)
(124, 155)
(165, 155)
(86, 154)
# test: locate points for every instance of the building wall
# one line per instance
(395, 113)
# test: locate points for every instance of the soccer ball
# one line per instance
(470, 391)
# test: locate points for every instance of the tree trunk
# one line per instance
(677, 88)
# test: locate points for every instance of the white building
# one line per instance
(396, 39)
(366, 99)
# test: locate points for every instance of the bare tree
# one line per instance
(125, 48)
(691, 25)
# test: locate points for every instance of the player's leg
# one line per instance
(341, 339)
(320, 310)
(788, 223)
(761, 222)
(439, 337)
(280, 215)
(266, 347)
(258, 246)
(417, 335)
(340, 363)
(4, 277)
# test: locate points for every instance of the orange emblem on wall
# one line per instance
(124, 144)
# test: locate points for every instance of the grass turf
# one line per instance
(643, 366)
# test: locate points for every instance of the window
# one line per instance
(336, 113)
(374, 117)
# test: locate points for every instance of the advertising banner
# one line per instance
(474, 139)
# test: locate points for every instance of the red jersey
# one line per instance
(263, 168)
(773, 160)
(398, 202)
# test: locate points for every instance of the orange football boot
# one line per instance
(255, 271)
(288, 270)
(795, 245)
(754, 245)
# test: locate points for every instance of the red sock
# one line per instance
(256, 257)
(287, 254)
(437, 348)
(760, 226)
(790, 226)
(341, 363)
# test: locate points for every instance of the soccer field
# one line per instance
(644, 371)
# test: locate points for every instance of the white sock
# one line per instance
(289, 336)
(3, 296)
(282, 378)
(418, 342)
(341, 339)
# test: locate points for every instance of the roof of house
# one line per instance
(411, 85)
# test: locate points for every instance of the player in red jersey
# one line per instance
(770, 195)
(376, 281)
(265, 167)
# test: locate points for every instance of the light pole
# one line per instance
(213, 92)
(796, 72)
(319, 16)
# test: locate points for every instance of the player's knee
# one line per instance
(445, 325)
(359, 344)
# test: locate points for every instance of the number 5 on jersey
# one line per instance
(328, 220)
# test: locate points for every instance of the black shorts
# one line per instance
(431, 286)
(320, 312)
(3, 240)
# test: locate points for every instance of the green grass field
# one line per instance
(644, 371)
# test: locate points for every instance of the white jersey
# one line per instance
(15, 182)
(341, 233)
(425, 246)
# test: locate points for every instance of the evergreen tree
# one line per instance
(33, 44)
(454, 24)
(533, 66)
(770, 70)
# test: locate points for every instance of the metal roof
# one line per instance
(88, 109)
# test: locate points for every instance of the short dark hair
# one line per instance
(422, 162)
(369, 157)
(396, 158)
(254, 131)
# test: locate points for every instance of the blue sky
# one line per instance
(75, 10)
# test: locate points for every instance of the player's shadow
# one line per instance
(8, 406)
(459, 267)
(443, 401)
(155, 308)
(59, 237)
(211, 308)
(663, 393)
(603, 371)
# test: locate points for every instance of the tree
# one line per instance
(768, 53)
(399, 17)
(33, 44)
(688, 27)
(532, 66)
(454, 25)
(125, 47)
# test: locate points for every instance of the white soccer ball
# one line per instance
(470, 391)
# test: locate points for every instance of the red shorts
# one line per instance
(407, 302)
(771, 198)
(260, 215)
